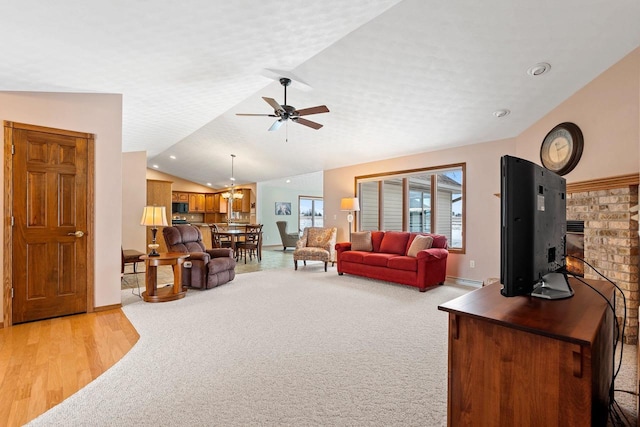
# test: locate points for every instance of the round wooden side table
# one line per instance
(169, 293)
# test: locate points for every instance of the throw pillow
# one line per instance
(361, 241)
(418, 244)
(394, 242)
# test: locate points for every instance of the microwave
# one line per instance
(179, 207)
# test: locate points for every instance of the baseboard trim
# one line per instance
(107, 307)
(460, 281)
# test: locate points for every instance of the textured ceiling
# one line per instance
(399, 77)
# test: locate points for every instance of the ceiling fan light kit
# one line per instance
(286, 112)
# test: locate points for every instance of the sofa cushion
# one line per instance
(353, 256)
(419, 243)
(361, 241)
(403, 263)
(376, 240)
(380, 259)
(318, 237)
(394, 242)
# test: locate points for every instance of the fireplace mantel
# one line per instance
(609, 183)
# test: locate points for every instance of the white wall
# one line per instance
(134, 198)
(267, 198)
(101, 115)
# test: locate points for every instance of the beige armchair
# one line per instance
(288, 239)
(316, 244)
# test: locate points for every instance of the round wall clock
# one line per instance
(561, 149)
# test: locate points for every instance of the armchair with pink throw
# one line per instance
(414, 259)
(209, 267)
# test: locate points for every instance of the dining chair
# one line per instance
(252, 243)
(217, 240)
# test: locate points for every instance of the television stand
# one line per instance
(553, 286)
(530, 361)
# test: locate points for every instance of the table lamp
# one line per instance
(154, 216)
(350, 204)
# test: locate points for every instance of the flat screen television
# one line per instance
(533, 230)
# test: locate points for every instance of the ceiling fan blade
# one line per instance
(274, 104)
(313, 110)
(261, 115)
(309, 123)
(276, 125)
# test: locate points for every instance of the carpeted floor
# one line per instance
(277, 347)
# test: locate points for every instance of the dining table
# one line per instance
(235, 235)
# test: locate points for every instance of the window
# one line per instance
(311, 212)
(429, 200)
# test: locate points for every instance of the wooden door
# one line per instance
(50, 185)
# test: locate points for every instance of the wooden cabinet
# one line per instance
(159, 194)
(196, 202)
(530, 362)
(212, 203)
(177, 196)
(243, 205)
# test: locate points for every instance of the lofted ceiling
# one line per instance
(400, 77)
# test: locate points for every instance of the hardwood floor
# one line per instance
(42, 363)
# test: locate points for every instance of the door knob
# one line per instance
(77, 234)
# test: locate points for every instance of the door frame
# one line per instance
(8, 205)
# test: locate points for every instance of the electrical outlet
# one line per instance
(472, 264)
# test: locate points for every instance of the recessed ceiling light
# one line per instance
(288, 181)
(156, 166)
(539, 69)
(209, 184)
(172, 157)
(501, 113)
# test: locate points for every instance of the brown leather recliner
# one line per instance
(209, 267)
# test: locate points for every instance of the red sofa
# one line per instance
(388, 259)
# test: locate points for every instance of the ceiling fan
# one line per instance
(285, 112)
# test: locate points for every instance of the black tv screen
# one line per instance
(533, 228)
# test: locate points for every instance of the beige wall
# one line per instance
(483, 207)
(134, 198)
(100, 114)
(608, 112)
(178, 184)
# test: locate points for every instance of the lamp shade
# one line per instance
(154, 216)
(349, 204)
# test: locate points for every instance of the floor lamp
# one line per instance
(351, 205)
(154, 216)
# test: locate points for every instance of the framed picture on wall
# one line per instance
(283, 208)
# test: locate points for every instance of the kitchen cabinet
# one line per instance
(243, 205)
(196, 202)
(246, 201)
(211, 203)
(177, 196)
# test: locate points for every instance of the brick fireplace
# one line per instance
(609, 209)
